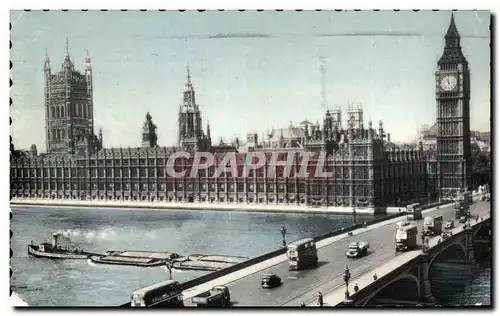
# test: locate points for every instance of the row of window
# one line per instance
(75, 110)
(311, 189)
(110, 173)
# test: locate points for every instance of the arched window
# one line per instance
(62, 111)
(63, 132)
(85, 111)
(51, 112)
(54, 133)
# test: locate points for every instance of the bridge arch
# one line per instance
(483, 228)
(402, 277)
(457, 245)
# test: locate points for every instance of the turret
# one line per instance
(46, 64)
(371, 132)
(100, 138)
(282, 139)
(209, 137)
(381, 133)
(67, 64)
(149, 137)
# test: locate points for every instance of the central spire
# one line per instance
(189, 84)
(67, 47)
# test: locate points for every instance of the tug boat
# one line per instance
(54, 251)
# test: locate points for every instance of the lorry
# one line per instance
(357, 249)
(406, 238)
(414, 212)
(218, 296)
(433, 226)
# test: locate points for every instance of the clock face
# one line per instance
(448, 83)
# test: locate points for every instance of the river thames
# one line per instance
(42, 282)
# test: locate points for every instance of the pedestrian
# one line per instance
(303, 304)
(320, 299)
(356, 287)
(375, 276)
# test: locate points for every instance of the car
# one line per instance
(462, 219)
(403, 224)
(270, 281)
(446, 235)
(449, 225)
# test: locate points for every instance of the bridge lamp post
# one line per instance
(169, 266)
(423, 242)
(283, 233)
(347, 277)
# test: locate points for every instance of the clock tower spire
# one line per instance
(453, 115)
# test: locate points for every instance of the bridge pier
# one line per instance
(425, 288)
(469, 246)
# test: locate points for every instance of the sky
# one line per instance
(252, 71)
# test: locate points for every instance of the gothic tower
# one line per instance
(191, 134)
(453, 115)
(149, 136)
(69, 113)
(355, 115)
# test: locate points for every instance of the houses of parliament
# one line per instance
(368, 170)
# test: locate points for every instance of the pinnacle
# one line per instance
(452, 29)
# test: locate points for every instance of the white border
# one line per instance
(7, 5)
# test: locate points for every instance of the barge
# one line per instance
(54, 251)
(144, 254)
(127, 261)
(217, 258)
(200, 265)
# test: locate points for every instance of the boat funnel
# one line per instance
(54, 240)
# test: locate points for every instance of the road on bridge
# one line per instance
(302, 286)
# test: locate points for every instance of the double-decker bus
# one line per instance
(414, 211)
(302, 254)
(166, 293)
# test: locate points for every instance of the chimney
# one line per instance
(54, 241)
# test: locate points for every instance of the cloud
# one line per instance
(241, 35)
(218, 36)
(371, 34)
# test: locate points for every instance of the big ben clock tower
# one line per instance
(453, 116)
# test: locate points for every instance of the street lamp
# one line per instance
(169, 267)
(423, 241)
(283, 232)
(347, 277)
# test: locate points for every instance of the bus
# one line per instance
(302, 254)
(166, 293)
(414, 211)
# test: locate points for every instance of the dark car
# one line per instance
(270, 281)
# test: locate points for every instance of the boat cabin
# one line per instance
(45, 247)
